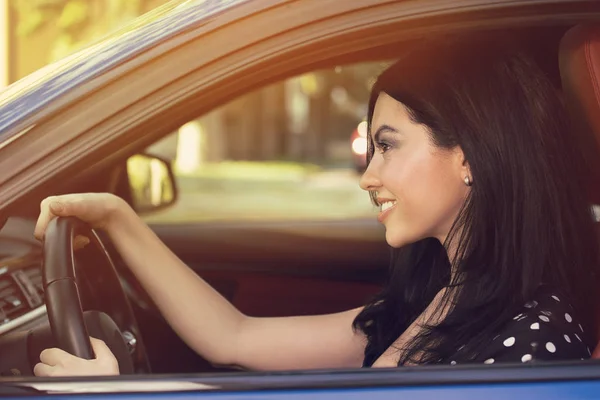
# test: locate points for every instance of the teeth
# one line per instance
(387, 204)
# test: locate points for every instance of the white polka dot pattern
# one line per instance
(568, 317)
(545, 329)
(531, 304)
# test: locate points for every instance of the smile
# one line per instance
(386, 207)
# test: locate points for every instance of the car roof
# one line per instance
(33, 92)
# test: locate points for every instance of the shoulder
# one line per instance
(546, 329)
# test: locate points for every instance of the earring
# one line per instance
(468, 180)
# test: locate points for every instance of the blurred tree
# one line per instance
(78, 22)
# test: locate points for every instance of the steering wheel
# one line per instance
(70, 326)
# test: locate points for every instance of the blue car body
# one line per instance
(33, 93)
(560, 381)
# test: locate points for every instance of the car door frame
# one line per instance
(545, 380)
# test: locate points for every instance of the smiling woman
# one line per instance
(486, 219)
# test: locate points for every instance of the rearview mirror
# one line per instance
(151, 182)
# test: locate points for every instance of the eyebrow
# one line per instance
(382, 129)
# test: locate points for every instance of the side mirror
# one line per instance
(151, 183)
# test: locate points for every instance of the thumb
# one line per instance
(104, 357)
(49, 208)
(80, 242)
(100, 348)
(59, 208)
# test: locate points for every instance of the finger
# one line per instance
(63, 206)
(101, 350)
(41, 369)
(80, 242)
(56, 206)
(68, 205)
(44, 218)
(55, 357)
(104, 357)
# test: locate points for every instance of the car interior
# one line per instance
(579, 64)
(265, 268)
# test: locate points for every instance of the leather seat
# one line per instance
(579, 58)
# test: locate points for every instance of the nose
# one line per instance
(369, 181)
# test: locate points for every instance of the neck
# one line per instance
(451, 244)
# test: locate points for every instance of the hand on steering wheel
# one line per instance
(65, 224)
(75, 355)
(57, 362)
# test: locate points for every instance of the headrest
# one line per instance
(579, 58)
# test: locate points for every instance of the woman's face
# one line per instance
(420, 187)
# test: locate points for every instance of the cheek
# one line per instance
(440, 182)
(418, 178)
(429, 192)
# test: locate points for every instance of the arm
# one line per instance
(214, 328)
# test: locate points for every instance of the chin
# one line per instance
(397, 239)
(397, 236)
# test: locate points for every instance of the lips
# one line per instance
(386, 208)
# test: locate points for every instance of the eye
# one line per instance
(382, 147)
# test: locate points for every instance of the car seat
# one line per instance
(579, 59)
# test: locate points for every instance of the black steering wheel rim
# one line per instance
(85, 297)
(59, 277)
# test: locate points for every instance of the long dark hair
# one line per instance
(526, 220)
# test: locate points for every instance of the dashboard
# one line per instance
(21, 288)
(22, 305)
(24, 324)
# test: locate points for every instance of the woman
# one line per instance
(475, 171)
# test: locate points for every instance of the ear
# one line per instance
(462, 168)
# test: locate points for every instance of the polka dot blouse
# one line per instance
(545, 330)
